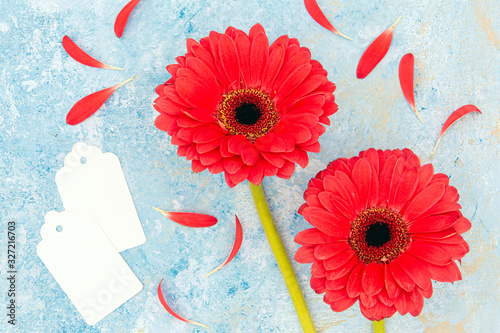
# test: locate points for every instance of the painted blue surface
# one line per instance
(457, 50)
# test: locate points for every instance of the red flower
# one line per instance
(384, 226)
(236, 105)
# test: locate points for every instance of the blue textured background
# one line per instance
(457, 50)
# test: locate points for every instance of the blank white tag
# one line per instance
(86, 265)
(92, 182)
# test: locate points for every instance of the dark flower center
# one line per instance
(248, 112)
(378, 235)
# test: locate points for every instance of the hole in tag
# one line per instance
(83, 160)
(59, 228)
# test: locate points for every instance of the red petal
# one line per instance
(318, 16)
(406, 69)
(193, 220)
(88, 105)
(340, 260)
(273, 67)
(337, 284)
(373, 279)
(305, 255)
(396, 176)
(313, 236)
(416, 270)
(299, 133)
(375, 52)
(196, 166)
(401, 304)
(236, 143)
(383, 296)
(441, 208)
(169, 310)
(238, 239)
(405, 189)
(354, 283)
(255, 30)
(196, 94)
(335, 295)
(326, 251)
(361, 178)
(432, 224)
(256, 173)
(230, 61)
(122, 18)
(399, 275)
(417, 306)
(447, 273)
(429, 252)
(318, 285)
(368, 300)
(203, 73)
(275, 159)
(258, 57)
(75, 52)
(423, 201)
(290, 65)
(208, 133)
(203, 148)
(243, 46)
(318, 269)
(391, 286)
(335, 186)
(211, 157)
(462, 225)
(338, 272)
(241, 175)
(451, 194)
(328, 223)
(293, 81)
(232, 164)
(459, 113)
(343, 304)
(249, 154)
(351, 190)
(385, 179)
(425, 174)
(287, 170)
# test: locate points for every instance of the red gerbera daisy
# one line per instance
(236, 105)
(384, 226)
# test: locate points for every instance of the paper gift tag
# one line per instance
(92, 182)
(85, 264)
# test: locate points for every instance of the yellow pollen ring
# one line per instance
(269, 117)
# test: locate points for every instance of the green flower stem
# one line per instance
(379, 326)
(282, 259)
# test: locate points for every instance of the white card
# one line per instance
(86, 265)
(92, 182)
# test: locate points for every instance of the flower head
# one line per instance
(384, 226)
(236, 104)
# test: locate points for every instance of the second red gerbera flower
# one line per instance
(236, 104)
(384, 226)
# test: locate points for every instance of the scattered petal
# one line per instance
(75, 52)
(192, 220)
(406, 69)
(459, 113)
(236, 247)
(169, 310)
(88, 105)
(318, 16)
(122, 18)
(375, 52)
